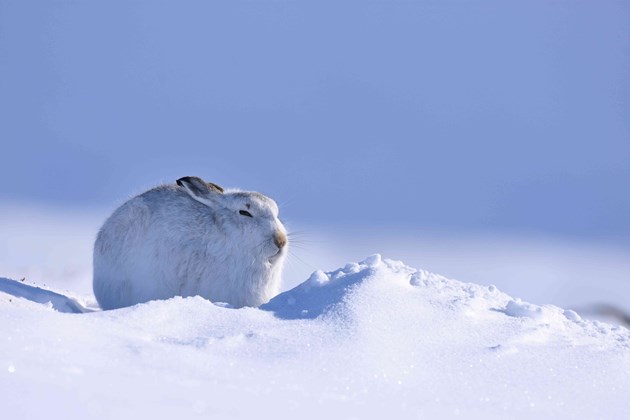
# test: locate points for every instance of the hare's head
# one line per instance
(250, 217)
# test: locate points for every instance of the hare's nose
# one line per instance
(280, 239)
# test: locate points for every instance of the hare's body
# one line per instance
(190, 239)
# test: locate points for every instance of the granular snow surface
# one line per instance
(375, 339)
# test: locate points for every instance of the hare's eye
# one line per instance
(245, 213)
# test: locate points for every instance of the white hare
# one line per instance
(190, 238)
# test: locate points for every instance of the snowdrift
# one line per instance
(370, 340)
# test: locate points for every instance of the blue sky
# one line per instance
(484, 115)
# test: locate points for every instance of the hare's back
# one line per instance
(159, 212)
(169, 207)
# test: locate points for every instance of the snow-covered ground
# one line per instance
(369, 340)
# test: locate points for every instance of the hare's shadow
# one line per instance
(58, 301)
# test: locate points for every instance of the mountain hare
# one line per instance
(192, 238)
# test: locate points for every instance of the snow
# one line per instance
(56, 301)
(372, 339)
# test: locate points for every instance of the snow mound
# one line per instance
(372, 339)
(389, 294)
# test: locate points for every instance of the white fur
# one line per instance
(174, 240)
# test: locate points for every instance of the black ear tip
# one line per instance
(183, 180)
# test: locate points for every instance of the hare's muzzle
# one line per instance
(280, 239)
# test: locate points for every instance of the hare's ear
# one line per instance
(200, 190)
